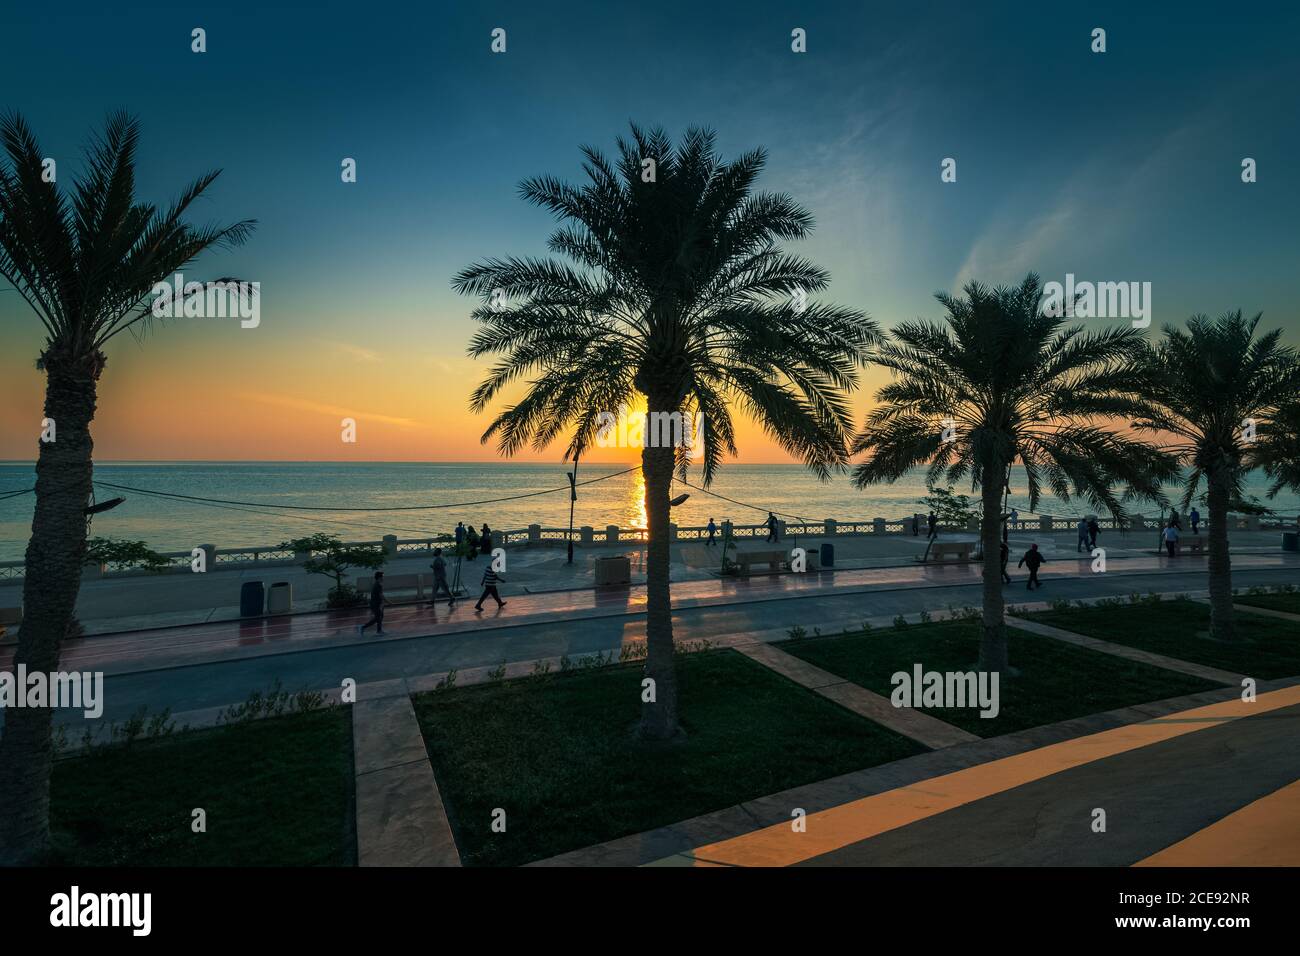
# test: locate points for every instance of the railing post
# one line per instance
(830, 527)
(534, 534)
(611, 534)
(209, 556)
(1044, 522)
(877, 525)
(390, 545)
(672, 531)
(587, 535)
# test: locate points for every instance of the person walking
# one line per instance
(471, 538)
(1015, 519)
(771, 527)
(485, 539)
(713, 530)
(490, 580)
(1032, 560)
(1006, 556)
(440, 580)
(1195, 517)
(460, 535)
(916, 526)
(376, 606)
(1082, 529)
(932, 525)
(1171, 538)
(1094, 529)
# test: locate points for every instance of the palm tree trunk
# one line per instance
(1217, 497)
(52, 580)
(993, 644)
(659, 716)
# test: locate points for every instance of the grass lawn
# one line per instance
(1266, 647)
(1057, 681)
(557, 753)
(278, 792)
(1289, 602)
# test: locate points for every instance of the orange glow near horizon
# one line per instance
(228, 396)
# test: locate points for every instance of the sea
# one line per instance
(250, 497)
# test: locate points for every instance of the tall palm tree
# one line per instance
(1019, 387)
(671, 287)
(1217, 389)
(86, 264)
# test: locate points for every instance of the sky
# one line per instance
(1115, 166)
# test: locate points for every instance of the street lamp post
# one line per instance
(573, 498)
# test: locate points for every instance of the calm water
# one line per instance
(172, 525)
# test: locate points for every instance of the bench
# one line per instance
(960, 550)
(397, 582)
(772, 558)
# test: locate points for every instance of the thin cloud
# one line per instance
(305, 405)
(1016, 242)
(353, 351)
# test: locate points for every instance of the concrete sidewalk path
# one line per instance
(913, 724)
(1126, 652)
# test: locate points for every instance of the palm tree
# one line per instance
(1217, 389)
(1018, 387)
(672, 288)
(86, 264)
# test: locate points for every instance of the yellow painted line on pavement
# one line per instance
(1263, 833)
(858, 820)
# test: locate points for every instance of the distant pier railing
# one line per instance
(225, 559)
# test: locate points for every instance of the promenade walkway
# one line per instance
(939, 585)
(142, 601)
(195, 667)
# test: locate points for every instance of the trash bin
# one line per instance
(251, 596)
(828, 555)
(279, 599)
(616, 569)
(1291, 540)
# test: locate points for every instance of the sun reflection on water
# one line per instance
(634, 507)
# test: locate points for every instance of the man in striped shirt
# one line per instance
(490, 579)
